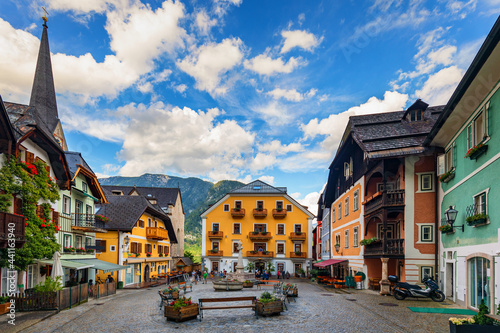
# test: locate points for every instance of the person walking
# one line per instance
(205, 277)
(278, 274)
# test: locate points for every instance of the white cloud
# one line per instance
(310, 201)
(299, 38)
(439, 86)
(204, 23)
(181, 88)
(267, 179)
(291, 95)
(210, 61)
(265, 65)
(274, 113)
(185, 141)
(461, 8)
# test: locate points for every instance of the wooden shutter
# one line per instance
(55, 218)
(160, 249)
(18, 206)
(39, 211)
(139, 250)
(48, 169)
(101, 243)
(30, 157)
(166, 250)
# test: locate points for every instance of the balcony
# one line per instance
(237, 213)
(390, 248)
(259, 213)
(296, 236)
(279, 213)
(214, 253)
(259, 236)
(384, 199)
(11, 224)
(260, 254)
(156, 233)
(300, 255)
(87, 222)
(215, 234)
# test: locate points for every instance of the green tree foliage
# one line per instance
(480, 318)
(31, 183)
(189, 255)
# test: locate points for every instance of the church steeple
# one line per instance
(43, 95)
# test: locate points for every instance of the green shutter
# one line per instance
(454, 155)
(487, 119)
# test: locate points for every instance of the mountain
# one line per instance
(197, 194)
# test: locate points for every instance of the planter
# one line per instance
(473, 328)
(269, 308)
(479, 151)
(477, 222)
(4, 308)
(447, 178)
(293, 292)
(181, 314)
(247, 284)
(227, 285)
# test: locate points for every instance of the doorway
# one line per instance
(297, 268)
(449, 280)
(146, 274)
(215, 266)
(261, 266)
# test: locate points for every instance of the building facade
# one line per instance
(468, 132)
(273, 228)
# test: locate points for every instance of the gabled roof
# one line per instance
(125, 211)
(7, 137)
(75, 160)
(259, 187)
(77, 165)
(164, 195)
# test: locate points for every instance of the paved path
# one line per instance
(316, 310)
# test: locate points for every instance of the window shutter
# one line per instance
(486, 119)
(454, 155)
(18, 206)
(55, 218)
(140, 248)
(160, 249)
(441, 165)
(30, 157)
(469, 137)
(48, 169)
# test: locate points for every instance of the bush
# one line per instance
(49, 285)
(480, 318)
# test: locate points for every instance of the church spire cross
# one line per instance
(44, 17)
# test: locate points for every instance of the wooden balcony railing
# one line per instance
(86, 222)
(389, 247)
(259, 236)
(384, 199)
(215, 234)
(156, 233)
(298, 236)
(298, 255)
(11, 224)
(279, 213)
(214, 254)
(260, 254)
(237, 213)
(259, 213)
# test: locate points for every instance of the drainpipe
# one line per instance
(436, 217)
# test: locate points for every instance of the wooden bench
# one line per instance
(267, 283)
(202, 301)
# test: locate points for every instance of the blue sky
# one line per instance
(235, 89)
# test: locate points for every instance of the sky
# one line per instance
(235, 89)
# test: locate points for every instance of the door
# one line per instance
(129, 274)
(259, 247)
(259, 227)
(79, 213)
(215, 266)
(146, 274)
(235, 264)
(449, 280)
(297, 267)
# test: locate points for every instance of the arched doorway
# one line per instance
(146, 274)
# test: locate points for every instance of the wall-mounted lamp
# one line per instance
(337, 247)
(451, 215)
(126, 241)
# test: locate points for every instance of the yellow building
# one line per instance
(271, 225)
(139, 237)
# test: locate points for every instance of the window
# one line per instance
(340, 210)
(141, 224)
(160, 249)
(237, 204)
(480, 203)
(101, 245)
(236, 229)
(85, 187)
(166, 250)
(288, 208)
(297, 247)
(235, 247)
(355, 236)
(337, 239)
(280, 249)
(281, 229)
(355, 201)
(67, 240)
(259, 247)
(416, 115)
(426, 271)
(134, 247)
(346, 206)
(334, 216)
(477, 131)
(78, 242)
(346, 239)
(215, 227)
(66, 205)
(260, 227)
(279, 205)
(88, 241)
(88, 210)
(426, 182)
(426, 233)
(148, 248)
(150, 223)
(112, 248)
(280, 266)
(260, 205)
(298, 228)
(32, 276)
(346, 170)
(450, 158)
(226, 207)
(215, 246)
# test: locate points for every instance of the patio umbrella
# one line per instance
(57, 269)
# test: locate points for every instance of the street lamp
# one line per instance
(126, 241)
(451, 215)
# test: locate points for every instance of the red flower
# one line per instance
(26, 223)
(57, 228)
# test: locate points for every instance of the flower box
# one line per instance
(447, 176)
(477, 222)
(467, 328)
(476, 151)
(477, 219)
(269, 308)
(247, 284)
(4, 307)
(182, 313)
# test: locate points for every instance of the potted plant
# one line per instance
(90, 251)
(478, 323)
(369, 241)
(265, 252)
(160, 255)
(148, 254)
(181, 309)
(298, 233)
(446, 228)
(4, 304)
(101, 218)
(69, 249)
(337, 247)
(476, 151)
(268, 305)
(174, 291)
(255, 232)
(446, 177)
(214, 250)
(476, 219)
(247, 284)
(298, 253)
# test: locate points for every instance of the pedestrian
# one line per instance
(205, 277)
(287, 275)
(278, 274)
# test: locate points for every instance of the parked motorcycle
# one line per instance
(404, 289)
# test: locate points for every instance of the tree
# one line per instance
(31, 183)
(250, 266)
(270, 267)
(189, 255)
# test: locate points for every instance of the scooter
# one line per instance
(404, 289)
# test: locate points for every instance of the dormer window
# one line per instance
(257, 187)
(416, 115)
(117, 192)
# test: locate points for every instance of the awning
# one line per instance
(101, 265)
(328, 262)
(68, 264)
